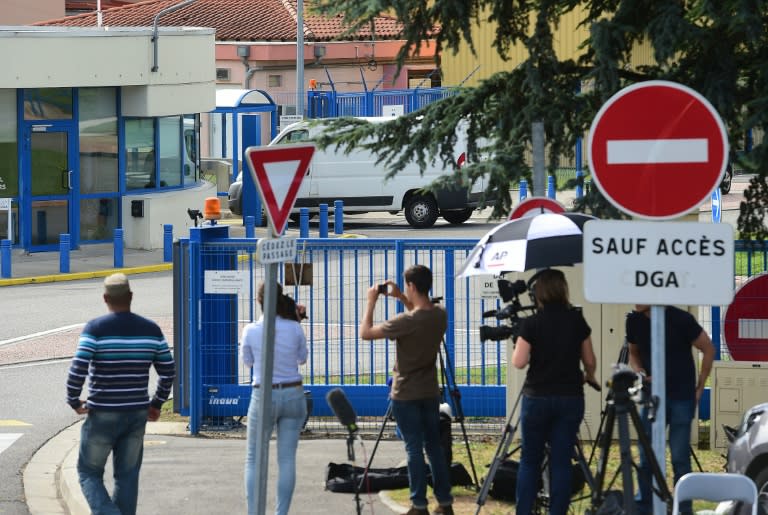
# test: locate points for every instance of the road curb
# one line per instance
(76, 276)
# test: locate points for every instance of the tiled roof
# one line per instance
(234, 20)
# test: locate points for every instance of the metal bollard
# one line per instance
(323, 220)
(523, 189)
(64, 253)
(5, 259)
(338, 217)
(304, 222)
(250, 226)
(579, 184)
(551, 191)
(167, 243)
(118, 248)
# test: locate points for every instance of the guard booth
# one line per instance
(242, 118)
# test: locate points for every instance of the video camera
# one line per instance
(510, 293)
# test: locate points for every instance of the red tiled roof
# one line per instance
(234, 20)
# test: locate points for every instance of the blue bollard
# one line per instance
(118, 248)
(250, 226)
(304, 222)
(323, 220)
(551, 192)
(167, 243)
(338, 217)
(523, 189)
(5, 259)
(579, 184)
(64, 253)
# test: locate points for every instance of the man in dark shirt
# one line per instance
(683, 391)
(115, 353)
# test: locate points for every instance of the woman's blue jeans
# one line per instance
(122, 434)
(552, 420)
(419, 423)
(289, 408)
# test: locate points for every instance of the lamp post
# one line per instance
(300, 57)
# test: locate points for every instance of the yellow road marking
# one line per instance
(11, 422)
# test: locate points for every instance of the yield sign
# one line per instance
(657, 149)
(277, 173)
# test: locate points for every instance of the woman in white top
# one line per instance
(289, 408)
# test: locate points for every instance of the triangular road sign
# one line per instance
(278, 172)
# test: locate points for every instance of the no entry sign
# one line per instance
(535, 206)
(746, 321)
(657, 149)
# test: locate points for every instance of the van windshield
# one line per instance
(294, 137)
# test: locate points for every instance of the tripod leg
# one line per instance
(604, 444)
(626, 464)
(498, 457)
(455, 394)
(376, 445)
(656, 470)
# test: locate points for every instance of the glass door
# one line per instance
(53, 185)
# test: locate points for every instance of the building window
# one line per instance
(48, 104)
(170, 151)
(191, 167)
(140, 163)
(9, 177)
(97, 118)
(223, 74)
(274, 81)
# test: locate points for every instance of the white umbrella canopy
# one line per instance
(541, 241)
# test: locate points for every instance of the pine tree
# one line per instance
(716, 47)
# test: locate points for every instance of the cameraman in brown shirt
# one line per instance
(418, 333)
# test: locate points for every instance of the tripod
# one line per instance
(621, 407)
(446, 374)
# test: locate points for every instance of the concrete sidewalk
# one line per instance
(204, 475)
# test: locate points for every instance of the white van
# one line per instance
(360, 183)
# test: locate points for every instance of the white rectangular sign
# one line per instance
(5, 204)
(658, 263)
(287, 119)
(225, 281)
(276, 250)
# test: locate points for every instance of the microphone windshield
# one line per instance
(341, 407)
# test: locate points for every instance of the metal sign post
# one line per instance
(658, 390)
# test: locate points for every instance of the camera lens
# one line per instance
(501, 332)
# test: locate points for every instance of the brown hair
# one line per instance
(551, 287)
(284, 307)
(421, 278)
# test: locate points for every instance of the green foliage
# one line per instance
(718, 48)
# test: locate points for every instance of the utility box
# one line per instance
(736, 386)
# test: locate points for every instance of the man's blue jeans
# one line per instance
(419, 423)
(122, 434)
(555, 420)
(679, 415)
(289, 409)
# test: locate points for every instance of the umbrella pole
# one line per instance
(449, 384)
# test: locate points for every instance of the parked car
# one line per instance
(748, 449)
(357, 179)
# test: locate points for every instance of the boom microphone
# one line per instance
(339, 404)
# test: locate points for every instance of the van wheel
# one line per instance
(421, 211)
(457, 217)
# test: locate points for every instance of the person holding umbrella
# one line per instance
(552, 343)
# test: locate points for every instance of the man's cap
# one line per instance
(116, 285)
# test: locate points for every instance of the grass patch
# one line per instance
(483, 450)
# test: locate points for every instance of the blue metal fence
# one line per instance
(213, 384)
(329, 104)
(215, 281)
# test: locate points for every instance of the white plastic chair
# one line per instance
(715, 486)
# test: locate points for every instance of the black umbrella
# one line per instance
(541, 241)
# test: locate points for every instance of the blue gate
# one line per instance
(216, 279)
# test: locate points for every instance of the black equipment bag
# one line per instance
(341, 477)
(505, 481)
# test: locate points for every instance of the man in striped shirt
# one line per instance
(115, 352)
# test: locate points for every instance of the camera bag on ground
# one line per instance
(341, 477)
(505, 481)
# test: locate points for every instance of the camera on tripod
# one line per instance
(510, 293)
(627, 385)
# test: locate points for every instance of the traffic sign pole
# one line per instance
(658, 391)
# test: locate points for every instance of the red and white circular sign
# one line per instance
(535, 206)
(746, 321)
(657, 149)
